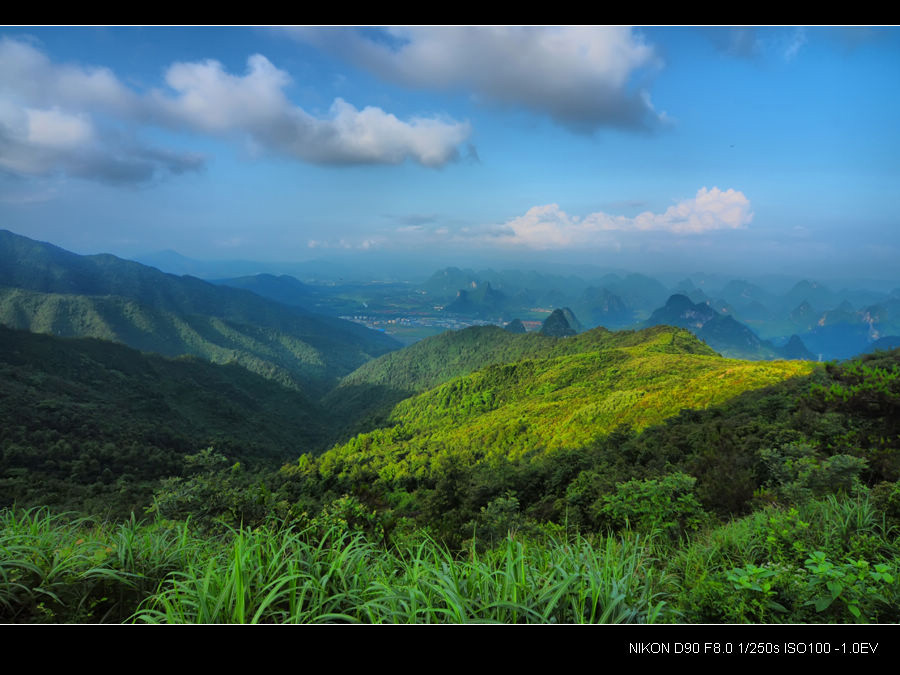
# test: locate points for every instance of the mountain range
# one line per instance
(46, 289)
(723, 333)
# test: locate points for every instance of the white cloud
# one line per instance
(549, 227)
(28, 75)
(56, 129)
(579, 76)
(209, 100)
(50, 120)
(47, 122)
(35, 142)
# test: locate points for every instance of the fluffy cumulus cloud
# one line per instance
(208, 99)
(85, 121)
(38, 142)
(26, 73)
(48, 122)
(582, 77)
(549, 227)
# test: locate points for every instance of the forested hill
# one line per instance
(85, 419)
(577, 392)
(46, 289)
(375, 387)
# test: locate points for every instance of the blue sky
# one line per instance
(701, 149)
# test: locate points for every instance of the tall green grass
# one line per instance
(770, 566)
(275, 575)
(61, 568)
(64, 569)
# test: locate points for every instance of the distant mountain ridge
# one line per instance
(282, 288)
(610, 300)
(723, 333)
(44, 288)
(479, 300)
(602, 307)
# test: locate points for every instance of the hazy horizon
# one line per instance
(418, 269)
(356, 266)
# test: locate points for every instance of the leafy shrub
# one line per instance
(785, 535)
(667, 504)
(886, 497)
(499, 520)
(867, 592)
(799, 472)
(756, 593)
(217, 496)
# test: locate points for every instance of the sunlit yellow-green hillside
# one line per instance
(538, 405)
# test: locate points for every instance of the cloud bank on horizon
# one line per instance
(547, 227)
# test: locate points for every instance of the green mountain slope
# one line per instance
(375, 387)
(51, 290)
(561, 401)
(79, 416)
(287, 359)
